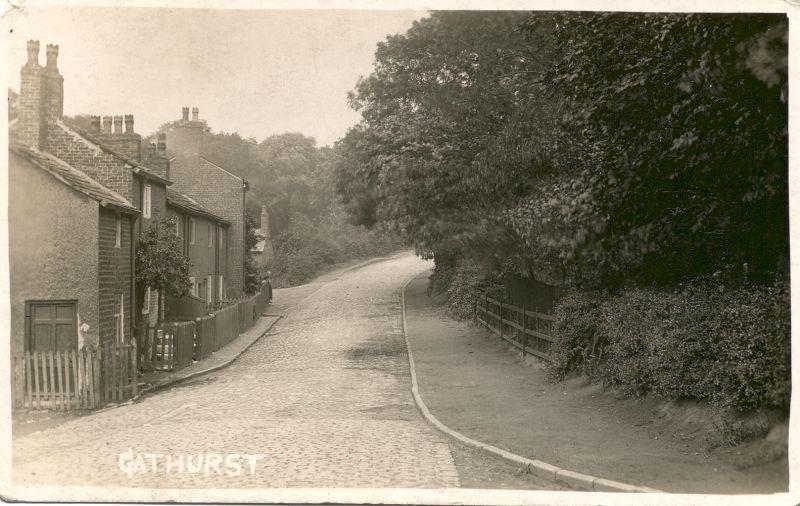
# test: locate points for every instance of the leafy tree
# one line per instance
(437, 111)
(160, 264)
(290, 164)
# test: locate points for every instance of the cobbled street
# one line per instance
(324, 397)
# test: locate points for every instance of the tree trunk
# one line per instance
(160, 306)
(289, 210)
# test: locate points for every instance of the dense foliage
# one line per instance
(631, 157)
(730, 347)
(604, 147)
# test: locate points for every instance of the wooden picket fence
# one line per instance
(120, 373)
(74, 379)
(528, 331)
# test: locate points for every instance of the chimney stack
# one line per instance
(32, 125)
(106, 124)
(185, 114)
(129, 124)
(52, 57)
(96, 124)
(195, 114)
(162, 144)
(33, 53)
(117, 124)
(264, 222)
(54, 86)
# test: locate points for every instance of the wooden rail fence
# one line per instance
(528, 331)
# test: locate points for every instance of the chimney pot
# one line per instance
(96, 124)
(107, 124)
(52, 56)
(185, 111)
(151, 148)
(195, 113)
(117, 124)
(33, 51)
(129, 123)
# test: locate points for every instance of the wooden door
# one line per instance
(52, 325)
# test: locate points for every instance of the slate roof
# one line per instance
(187, 203)
(74, 178)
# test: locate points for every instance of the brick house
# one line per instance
(71, 235)
(204, 239)
(213, 188)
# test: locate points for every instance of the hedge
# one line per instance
(727, 346)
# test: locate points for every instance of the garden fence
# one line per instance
(529, 331)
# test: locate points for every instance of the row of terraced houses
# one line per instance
(79, 198)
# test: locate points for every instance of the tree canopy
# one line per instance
(601, 147)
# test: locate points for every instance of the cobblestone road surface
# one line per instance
(324, 397)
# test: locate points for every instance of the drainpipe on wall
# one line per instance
(134, 319)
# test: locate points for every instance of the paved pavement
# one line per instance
(322, 400)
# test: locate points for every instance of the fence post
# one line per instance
(135, 369)
(500, 317)
(524, 332)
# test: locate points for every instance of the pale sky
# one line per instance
(254, 72)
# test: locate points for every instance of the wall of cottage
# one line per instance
(115, 274)
(203, 254)
(158, 199)
(53, 248)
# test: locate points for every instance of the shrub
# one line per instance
(468, 282)
(576, 349)
(727, 346)
(463, 282)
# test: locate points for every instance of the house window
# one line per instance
(209, 289)
(201, 290)
(146, 202)
(118, 233)
(221, 288)
(146, 305)
(210, 235)
(193, 290)
(191, 230)
(119, 318)
(220, 237)
(178, 223)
